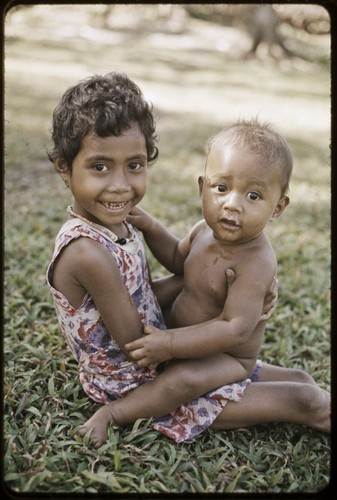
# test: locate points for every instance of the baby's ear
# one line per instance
(201, 180)
(280, 207)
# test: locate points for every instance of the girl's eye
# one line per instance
(100, 167)
(135, 165)
(254, 196)
(221, 188)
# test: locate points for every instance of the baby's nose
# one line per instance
(232, 202)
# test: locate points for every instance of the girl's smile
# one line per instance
(109, 177)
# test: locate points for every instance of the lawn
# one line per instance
(196, 87)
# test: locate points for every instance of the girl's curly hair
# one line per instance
(106, 105)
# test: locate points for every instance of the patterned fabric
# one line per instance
(105, 372)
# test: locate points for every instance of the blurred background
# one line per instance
(202, 66)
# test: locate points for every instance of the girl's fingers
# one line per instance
(230, 276)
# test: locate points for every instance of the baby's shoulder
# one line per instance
(260, 254)
(198, 229)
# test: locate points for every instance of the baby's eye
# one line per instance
(221, 188)
(254, 196)
(100, 167)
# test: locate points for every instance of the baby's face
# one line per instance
(240, 193)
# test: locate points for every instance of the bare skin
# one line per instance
(280, 395)
(108, 179)
(274, 401)
(198, 376)
(240, 195)
(219, 325)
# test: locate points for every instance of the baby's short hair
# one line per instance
(105, 105)
(258, 138)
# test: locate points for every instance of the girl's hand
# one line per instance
(152, 349)
(230, 277)
(270, 300)
(140, 219)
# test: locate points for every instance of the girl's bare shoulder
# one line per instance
(84, 251)
(82, 258)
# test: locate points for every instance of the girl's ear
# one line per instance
(280, 207)
(63, 171)
(201, 180)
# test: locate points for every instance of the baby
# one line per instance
(247, 173)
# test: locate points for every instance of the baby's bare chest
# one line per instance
(205, 270)
(205, 286)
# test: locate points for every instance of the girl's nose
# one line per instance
(118, 182)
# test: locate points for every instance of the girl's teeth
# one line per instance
(113, 206)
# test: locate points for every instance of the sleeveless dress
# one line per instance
(105, 372)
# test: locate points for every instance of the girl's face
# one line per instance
(109, 177)
(240, 194)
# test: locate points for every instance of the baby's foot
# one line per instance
(98, 424)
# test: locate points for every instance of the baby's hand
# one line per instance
(152, 349)
(140, 219)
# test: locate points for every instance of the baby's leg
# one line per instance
(179, 383)
(264, 402)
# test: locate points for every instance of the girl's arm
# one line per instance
(167, 289)
(167, 249)
(86, 266)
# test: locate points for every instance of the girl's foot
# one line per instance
(98, 424)
(321, 420)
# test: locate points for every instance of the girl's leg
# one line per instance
(179, 383)
(273, 373)
(264, 402)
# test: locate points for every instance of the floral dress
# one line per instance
(105, 372)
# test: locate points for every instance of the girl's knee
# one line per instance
(184, 382)
(309, 398)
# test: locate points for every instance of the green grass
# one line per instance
(194, 96)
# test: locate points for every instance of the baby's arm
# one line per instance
(230, 331)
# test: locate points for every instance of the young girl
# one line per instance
(103, 133)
